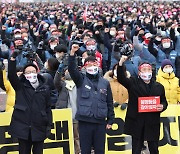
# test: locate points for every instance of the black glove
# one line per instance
(123, 106)
(116, 104)
(15, 53)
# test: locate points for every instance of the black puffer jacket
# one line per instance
(32, 110)
(148, 123)
(177, 65)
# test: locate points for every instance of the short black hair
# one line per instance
(19, 69)
(30, 64)
(90, 58)
(60, 48)
(53, 64)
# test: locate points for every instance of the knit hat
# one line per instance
(30, 64)
(166, 62)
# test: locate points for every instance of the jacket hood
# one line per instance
(165, 75)
(108, 75)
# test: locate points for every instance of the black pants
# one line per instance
(92, 135)
(25, 146)
(138, 143)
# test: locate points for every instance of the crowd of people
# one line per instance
(89, 57)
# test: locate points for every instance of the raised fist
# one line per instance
(74, 49)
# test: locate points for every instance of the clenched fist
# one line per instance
(74, 49)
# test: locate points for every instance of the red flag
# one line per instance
(85, 14)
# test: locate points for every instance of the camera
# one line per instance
(127, 49)
(118, 45)
(79, 62)
(29, 54)
(40, 45)
(65, 60)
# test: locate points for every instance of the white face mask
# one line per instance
(26, 38)
(73, 27)
(168, 70)
(17, 36)
(115, 73)
(166, 45)
(113, 19)
(92, 70)
(32, 77)
(91, 47)
(83, 59)
(145, 76)
(46, 65)
(112, 33)
(58, 55)
(46, 25)
(53, 46)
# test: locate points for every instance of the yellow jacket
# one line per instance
(10, 93)
(171, 86)
(119, 92)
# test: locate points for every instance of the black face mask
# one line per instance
(99, 27)
(80, 31)
(19, 47)
(141, 37)
(120, 25)
(162, 28)
(88, 24)
(157, 42)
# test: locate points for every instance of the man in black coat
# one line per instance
(142, 126)
(94, 103)
(32, 117)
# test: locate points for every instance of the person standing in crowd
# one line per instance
(170, 82)
(6, 86)
(67, 98)
(120, 93)
(94, 104)
(142, 126)
(51, 66)
(32, 117)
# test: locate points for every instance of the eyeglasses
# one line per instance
(29, 72)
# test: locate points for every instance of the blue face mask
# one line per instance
(91, 47)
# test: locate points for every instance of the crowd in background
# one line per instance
(43, 33)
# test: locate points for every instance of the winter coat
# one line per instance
(85, 82)
(32, 111)
(141, 124)
(171, 85)
(49, 76)
(67, 94)
(120, 93)
(177, 65)
(9, 91)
